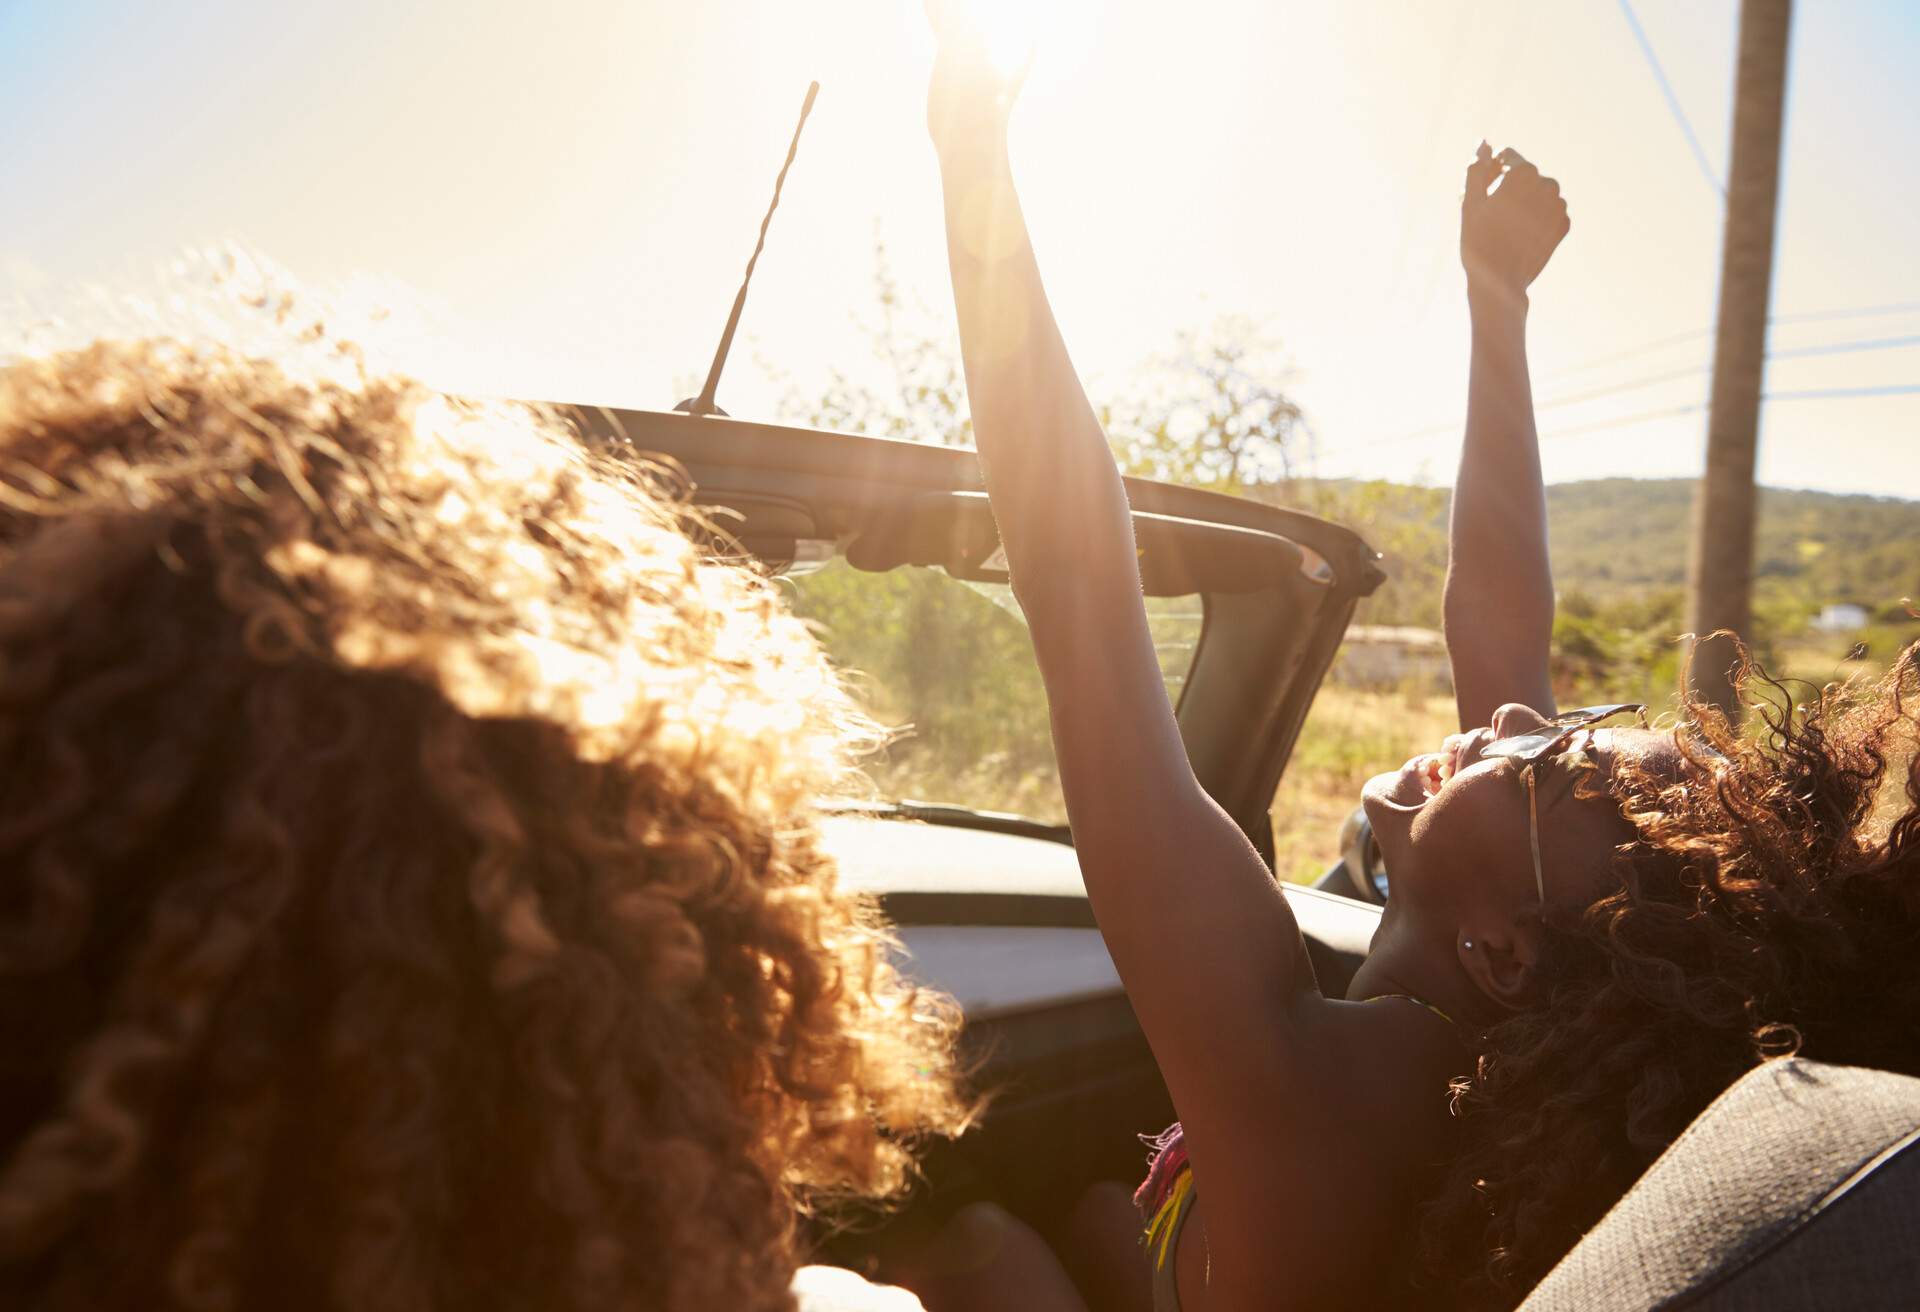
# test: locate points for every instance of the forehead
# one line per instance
(1579, 778)
(1644, 748)
(1580, 820)
(1580, 824)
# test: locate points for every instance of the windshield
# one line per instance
(948, 665)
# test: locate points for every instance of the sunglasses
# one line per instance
(1528, 749)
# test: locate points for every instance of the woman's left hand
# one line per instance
(1507, 236)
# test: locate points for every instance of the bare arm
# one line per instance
(1165, 867)
(1499, 595)
(1209, 952)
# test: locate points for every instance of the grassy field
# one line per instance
(1351, 734)
(1820, 658)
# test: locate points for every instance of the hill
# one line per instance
(1811, 548)
(1620, 540)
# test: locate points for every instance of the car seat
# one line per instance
(1799, 1187)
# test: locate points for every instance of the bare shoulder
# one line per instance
(1367, 1088)
(1388, 1056)
(1327, 1182)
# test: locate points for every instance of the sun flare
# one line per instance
(1016, 31)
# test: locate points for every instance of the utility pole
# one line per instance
(1720, 573)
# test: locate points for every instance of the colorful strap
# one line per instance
(1168, 1160)
(1158, 1240)
(1165, 1196)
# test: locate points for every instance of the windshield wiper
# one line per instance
(958, 817)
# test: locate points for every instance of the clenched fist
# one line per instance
(1507, 235)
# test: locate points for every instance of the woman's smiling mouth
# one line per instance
(1421, 778)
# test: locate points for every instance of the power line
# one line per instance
(1843, 393)
(1625, 421)
(1845, 348)
(1791, 353)
(1595, 394)
(1701, 334)
(1858, 312)
(1673, 101)
(1798, 394)
(1694, 408)
(1634, 352)
(1673, 375)
(1697, 407)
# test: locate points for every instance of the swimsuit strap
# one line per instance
(1408, 997)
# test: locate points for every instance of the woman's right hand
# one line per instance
(1507, 237)
(969, 98)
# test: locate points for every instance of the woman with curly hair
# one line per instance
(1765, 902)
(411, 897)
(1592, 929)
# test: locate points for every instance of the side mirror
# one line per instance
(1360, 858)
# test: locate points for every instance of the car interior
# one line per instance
(1800, 1172)
(990, 905)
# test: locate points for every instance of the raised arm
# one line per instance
(1204, 941)
(1168, 872)
(1499, 597)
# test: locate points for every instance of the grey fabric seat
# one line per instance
(1798, 1188)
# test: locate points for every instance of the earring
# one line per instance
(1467, 944)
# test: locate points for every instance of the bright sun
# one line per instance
(1016, 30)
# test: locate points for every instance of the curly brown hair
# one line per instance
(1769, 904)
(409, 890)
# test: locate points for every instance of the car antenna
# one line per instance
(704, 403)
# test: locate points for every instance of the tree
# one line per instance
(1215, 413)
(948, 662)
(924, 395)
(1212, 412)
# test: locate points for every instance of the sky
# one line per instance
(557, 201)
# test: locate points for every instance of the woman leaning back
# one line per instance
(1593, 930)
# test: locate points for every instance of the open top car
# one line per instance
(889, 546)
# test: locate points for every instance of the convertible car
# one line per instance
(1772, 1199)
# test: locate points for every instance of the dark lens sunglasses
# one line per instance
(1528, 749)
(1550, 737)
